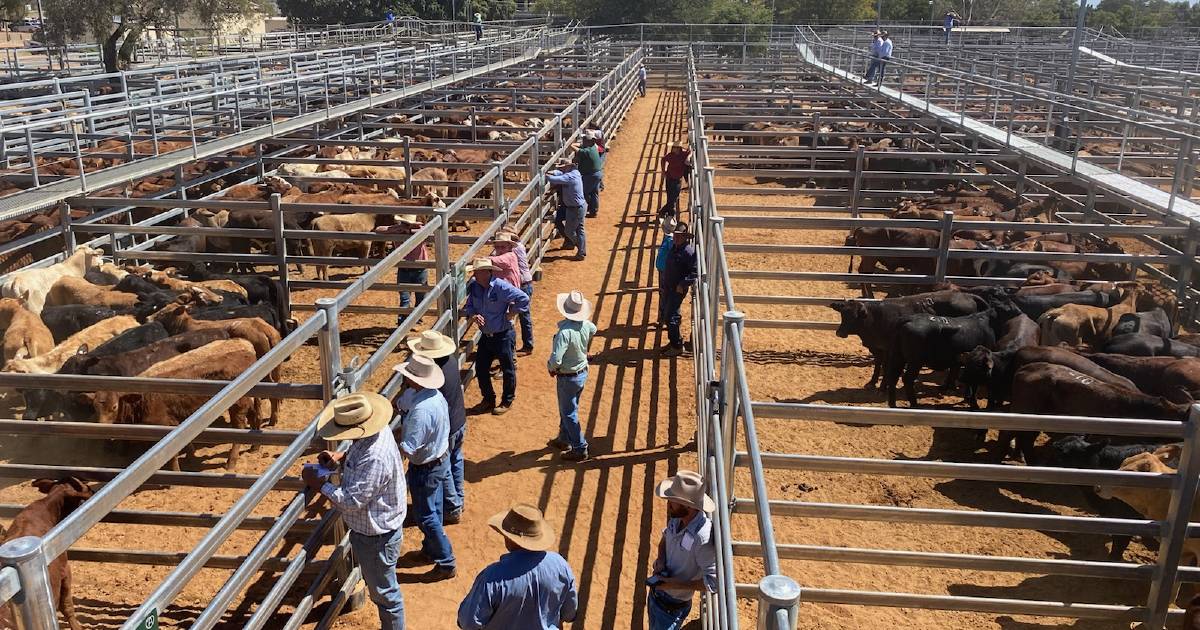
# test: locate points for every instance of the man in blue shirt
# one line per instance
(885, 54)
(425, 442)
(873, 65)
(490, 302)
(442, 349)
(679, 273)
(530, 587)
(572, 207)
(948, 22)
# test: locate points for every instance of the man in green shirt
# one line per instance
(568, 365)
(590, 159)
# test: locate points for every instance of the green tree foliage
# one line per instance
(358, 11)
(117, 25)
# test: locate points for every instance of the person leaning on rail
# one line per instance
(687, 558)
(572, 206)
(370, 496)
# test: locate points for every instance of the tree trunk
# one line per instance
(125, 54)
(108, 49)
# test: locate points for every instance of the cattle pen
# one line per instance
(254, 525)
(832, 511)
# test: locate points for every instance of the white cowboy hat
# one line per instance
(422, 371)
(525, 526)
(354, 416)
(686, 488)
(481, 264)
(504, 237)
(432, 344)
(574, 306)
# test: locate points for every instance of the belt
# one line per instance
(570, 373)
(433, 462)
(670, 604)
(499, 332)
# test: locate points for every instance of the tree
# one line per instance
(117, 25)
(357, 11)
(808, 11)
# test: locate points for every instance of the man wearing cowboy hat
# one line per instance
(441, 349)
(572, 206)
(568, 365)
(675, 168)
(425, 442)
(687, 558)
(589, 159)
(370, 496)
(530, 587)
(507, 240)
(490, 301)
(679, 273)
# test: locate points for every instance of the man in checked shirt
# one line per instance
(371, 495)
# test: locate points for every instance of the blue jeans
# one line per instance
(592, 184)
(498, 347)
(672, 302)
(947, 34)
(665, 613)
(569, 221)
(570, 388)
(525, 319)
(674, 186)
(377, 556)
(877, 64)
(410, 276)
(425, 483)
(642, 86)
(452, 485)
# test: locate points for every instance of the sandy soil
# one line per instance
(637, 414)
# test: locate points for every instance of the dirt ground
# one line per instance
(637, 411)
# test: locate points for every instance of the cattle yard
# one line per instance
(462, 137)
(900, 516)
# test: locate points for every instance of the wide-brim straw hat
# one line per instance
(525, 526)
(687, 488)
(432, 344)
(354, 416)
(482, 264)
(423, 371)
(562, 163)
(574, 306)
(504, 237)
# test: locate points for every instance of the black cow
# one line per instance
(981, 366)
(1153, 322)
(1143, 345)
(1035, 305)
(263, 311)
(875, 322)
(937, 342)
(64, 321)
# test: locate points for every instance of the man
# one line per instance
(642, 80)
(675, 167)
(568, 365)
(508, 242)
(478, 26)
(568, 218)
(885, 55)
(687, 559)
(490, 301)
(948, 21)
(425, 442)
(589, 159)
(408, 224)
(679, 273)
(370, 497)
(441, 349)
(873, 65)
(530, 587)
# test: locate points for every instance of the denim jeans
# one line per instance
(877, 64)
(425, 483)
(525, 319)
(674, 186)
(947, 34)
(501, 347)
(642, 87)
(570, 388)
(377, 556)
(672, 302)
(452, 485)
(660, 617)
(592, 184)
(410, 276)
(569, 221)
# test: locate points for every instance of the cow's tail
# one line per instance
(852, 241)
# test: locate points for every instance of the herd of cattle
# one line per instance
(1074, 339)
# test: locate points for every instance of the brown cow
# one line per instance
(1074, 324)
(38, 518)
(25, 335)
(70, 290)
(1177, 380)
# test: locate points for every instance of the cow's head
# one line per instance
(854, 316)
(1075, 451)
(73, 490)
(977, 366)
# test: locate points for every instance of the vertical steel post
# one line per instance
(856, 187)
(777, 593)
(944, 239)
(34, 603)
(1174, 534)
(408, 171)
(68, 233)
(285, 296)
(729, 399)
(330, 341)
(448, 302)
